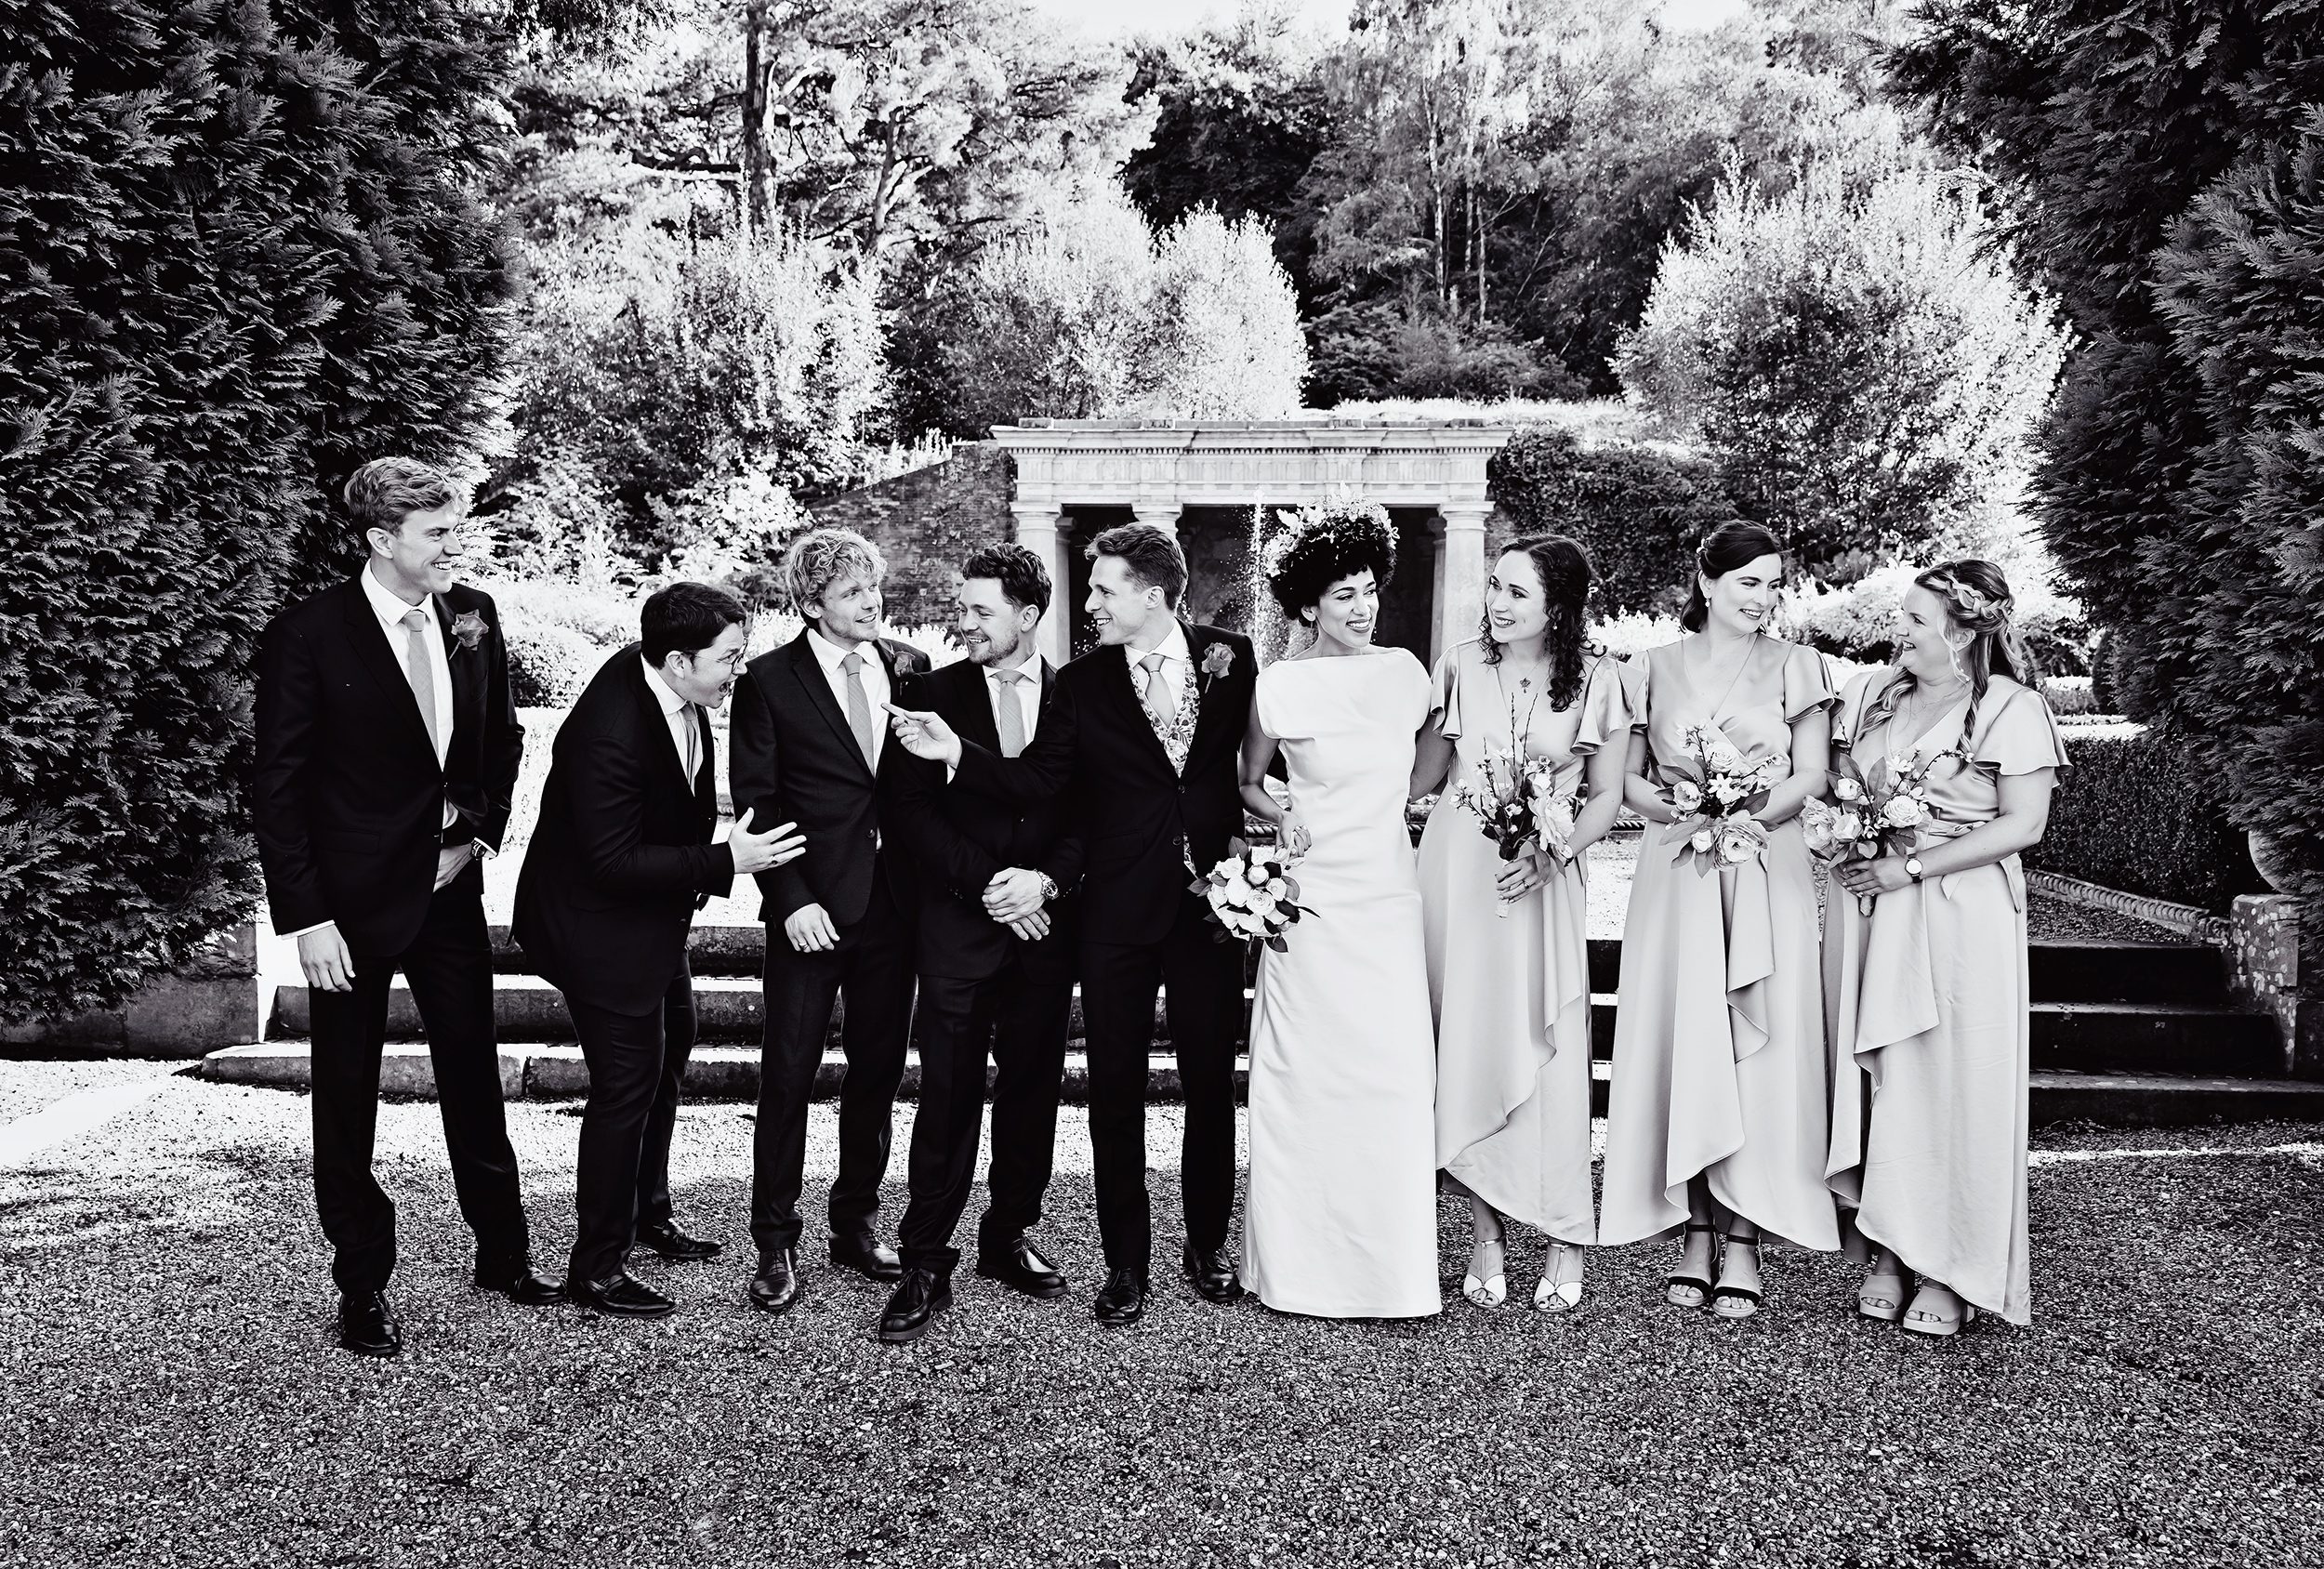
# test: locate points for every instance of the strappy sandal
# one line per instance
(1554, 1295)
(1736, 1301)
(1493, 1292)
(1883, 1291)
(1936, 1325)
(1686, 1290)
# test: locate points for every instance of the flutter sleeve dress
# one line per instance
(1718, 1060)
(1511, 992)
(1927, 1005)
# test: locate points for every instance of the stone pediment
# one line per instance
(1163, 464)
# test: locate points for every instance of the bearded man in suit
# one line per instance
(388, 747)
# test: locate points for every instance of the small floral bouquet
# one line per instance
(1725, 832)
(1865, 824)
(1516, 802)
(1252, 895)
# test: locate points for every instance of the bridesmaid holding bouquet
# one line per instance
(1717, 1118)
(1507, 940)
(1925, 996)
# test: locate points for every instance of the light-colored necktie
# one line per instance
(422, 676)
(1011, 713)
(1159, 696)
(692, 716)
(859, 708)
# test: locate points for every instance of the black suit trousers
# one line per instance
(1204, 982)
(449, 967)
(870, 974)
(636, 1064)
(1019, 1025)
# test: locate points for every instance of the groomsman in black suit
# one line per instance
(1146, 730)
(386, 756)
(995, 955)
(810, 749)
(622, 859)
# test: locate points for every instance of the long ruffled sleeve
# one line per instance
(1805, 685)
(1604, 709)
(1447, 699)
(2018, 734)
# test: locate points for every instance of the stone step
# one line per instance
(2140, 1037)
(2061, 970)
(555, 1072)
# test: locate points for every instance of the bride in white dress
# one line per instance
(1340, 1219)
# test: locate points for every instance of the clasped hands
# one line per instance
(1885, 874)
(1533, 869)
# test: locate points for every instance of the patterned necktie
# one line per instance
(1011, 713)
(422, 676)
(859, 717)
(1160, 697)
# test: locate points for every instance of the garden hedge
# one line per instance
(1638, 512)
(236, 259)
(2136, 812)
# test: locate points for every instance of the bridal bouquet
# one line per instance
(1725, 832)
(1865, 823)
(1516, 801)
(1252, 895)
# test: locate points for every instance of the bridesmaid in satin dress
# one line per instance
(1926, 997)
(1507, 949)
(1717, 1119)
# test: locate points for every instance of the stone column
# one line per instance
(1460, 573)
(1040, 529)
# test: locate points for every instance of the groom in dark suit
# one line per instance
(995, 954)
(1147, 731)
(810, 749)
(623, 857)
(386, 756)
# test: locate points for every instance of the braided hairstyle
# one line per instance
(1566, 574)
(1977, 600)
(1733, 543)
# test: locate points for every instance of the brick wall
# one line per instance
(927, 522)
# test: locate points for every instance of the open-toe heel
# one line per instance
(1937, 1326)
(1686, 1290)
(1885, 1289)
(1555, 1295)
(1492, 1291)
(1736, 1301)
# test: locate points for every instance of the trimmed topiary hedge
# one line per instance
(2136, 812)
(1638, 512)
(237, 258)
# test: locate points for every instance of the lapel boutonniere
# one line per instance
(1216, 660)
(470, 627)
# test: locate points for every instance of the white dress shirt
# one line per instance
(1026, 693)
(391, 612)
(1175, 654)
(684, 733)
(874, 676)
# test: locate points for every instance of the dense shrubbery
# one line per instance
(2138, 813)
(1639, 512)
(237, 257)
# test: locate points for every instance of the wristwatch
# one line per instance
(1048, 887)
(1912, 867)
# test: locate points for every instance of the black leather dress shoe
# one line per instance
(676, 1246)
(1021, 1269)
(622, 1296)
(1213, 1274)
(775, 1286)
(367, 1325)
(516, 1281)
(867, 1258)
(1123, 1299)
(918, 1297)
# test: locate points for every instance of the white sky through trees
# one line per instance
(1112, 18)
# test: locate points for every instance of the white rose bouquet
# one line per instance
(1864, 823)
(1517, 804)
(1721, 799)
(1252, 895)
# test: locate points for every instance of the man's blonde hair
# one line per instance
(820, 557)
(382, 491)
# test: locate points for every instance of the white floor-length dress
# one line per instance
(1339, 1220)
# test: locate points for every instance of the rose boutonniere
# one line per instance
(1216, 660)
(470, 627)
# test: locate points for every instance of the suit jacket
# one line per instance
(796, 761)
(622, 856)
(347, 793)
(1137, 820)
(959, 841)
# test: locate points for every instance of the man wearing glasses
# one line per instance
(622, 859)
